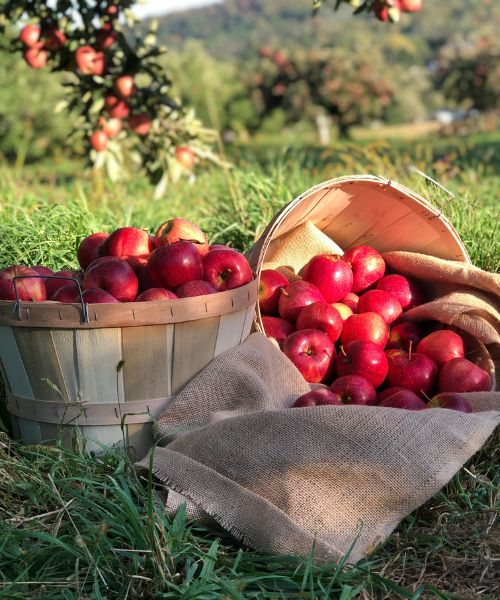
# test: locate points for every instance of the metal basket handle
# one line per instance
(17, 305)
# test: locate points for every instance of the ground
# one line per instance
(87, 527)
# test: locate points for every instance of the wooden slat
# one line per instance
(41, 361)
(194, 346)
(17, 378)
(97, 437)
(30, 431)
(230, 331)
(147, 359)
(247, 325)
(64, 345)
(50, 433)
(16, 432)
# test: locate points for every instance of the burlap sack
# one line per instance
(326, 479)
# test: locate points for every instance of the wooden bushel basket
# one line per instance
(364, 209)
(110, 372)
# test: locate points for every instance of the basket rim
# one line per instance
(56, 315)
(257, 253)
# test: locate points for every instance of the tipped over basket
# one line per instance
(105, 380)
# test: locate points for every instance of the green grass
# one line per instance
(87, 527)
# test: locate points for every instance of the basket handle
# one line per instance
(17, 305)
(428, 178)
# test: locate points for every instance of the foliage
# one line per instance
(468, 71)
(87, 41)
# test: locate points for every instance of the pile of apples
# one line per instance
(343, 324)
(131, 265)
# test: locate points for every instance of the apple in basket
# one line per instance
(367, 326)
(382, 395)
(451, 401)
(344, 310)
(367, 264)
(89, 248)
(115, 277)
(354, 389)
(351, 300)
(321, 316)
(404, 333)
(156, 294)
(129, 243)
(27, 289)
(411, 370)
(382, 303)
(312, 352)
(226, 269)
(407, 291)
(197, 287)
(172, 265)
(52, 285)
(330, 274)
(179, 230)
(364, 358)
(277, 329)
(404, 399)
(321, 396)
(442, 346)
(270, 284)
(462, 375)
(295, 296)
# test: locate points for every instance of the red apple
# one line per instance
(367, 326)
(90, 62)
(101, 259)
(367, 264)
(382, 303)
(407, 291)
(451, 401)
(389, 391)
(99, 141)
(89, 248)
(117, 109)
(54, 38)
(295, 296)
(330, 274)
(405, 399)
(354, 389)
(351, 300)
(110, 127)
(30, 35)
(462, 375)
(344, 310)
(410, 6)
(41, 270)
(276, 328)
(270, 284)
(52, 285)
(321, 316)
(185, 157)
(156, 294)
(106, 37)
(27, 289)
(387, 10)
(226, 269)
(68, 294)
(129, 243)
(411, 370)
(98, 296)
(115, 277)
(362, 358)
(178, 230)
(402, 334)
(171, 266)
(140, 124)
(145, 281)
(218, 246)
(36, 57)
(197, 287)
(125, 86)
(442, 346)
(319, 397)
(312, 352)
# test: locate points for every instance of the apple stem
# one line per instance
(425, 395)
(342, 350)
(284, 292)
(409, 349)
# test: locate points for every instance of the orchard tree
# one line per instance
(468, 71)
(116, 91)
(383, 10)
(348, 89)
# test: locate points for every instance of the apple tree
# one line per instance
(115, 89)
(383, 10)
(314, 84)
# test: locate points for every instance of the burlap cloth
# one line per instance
(328, 479)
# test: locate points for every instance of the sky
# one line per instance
(161, 7)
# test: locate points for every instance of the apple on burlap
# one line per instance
(325, 479)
